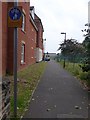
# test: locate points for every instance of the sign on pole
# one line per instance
(15, 21)
(15, 17)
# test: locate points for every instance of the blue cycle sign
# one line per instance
(15, 17)
(15, 13)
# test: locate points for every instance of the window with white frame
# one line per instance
(23, 22)
(22, 53)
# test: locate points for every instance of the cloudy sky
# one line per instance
(59, 16)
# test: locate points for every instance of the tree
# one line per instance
(71, 49)
(86, 44)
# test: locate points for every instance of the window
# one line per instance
(22, 53)
(23, 22)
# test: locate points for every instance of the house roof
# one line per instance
(32, 19)
(35, 19)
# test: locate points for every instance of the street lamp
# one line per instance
(64, 47)
(65, 36)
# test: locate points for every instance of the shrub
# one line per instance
(76, 72)
(88, 78)
(83, 75)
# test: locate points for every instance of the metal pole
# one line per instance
(15, 67)
(65, 37)
(64, 63)
(64, 55)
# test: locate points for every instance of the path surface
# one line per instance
(58, 95)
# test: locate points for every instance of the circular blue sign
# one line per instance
(15, 13)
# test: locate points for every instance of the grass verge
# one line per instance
(76, 70)
(27, 81)
(73, 68)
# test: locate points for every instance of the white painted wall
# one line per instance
(39, 54)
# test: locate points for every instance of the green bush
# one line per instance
(73, 68)
(88, 80)
(76, 72)
(83, 75)
(76, 69)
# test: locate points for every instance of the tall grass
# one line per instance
(76, 70)
(73, 68)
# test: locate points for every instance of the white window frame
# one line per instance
(23, 53)
(23, 22)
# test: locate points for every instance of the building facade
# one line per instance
(29, 46)
(39, 45)
(0, 60)
(30, 38)
(39, 40)
(4, 37)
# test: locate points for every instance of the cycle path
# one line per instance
(58, 95)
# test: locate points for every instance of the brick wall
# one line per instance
(0, 60)
(40, 36)
(32, 43)
(4, 37)
(40, 32)
(4, 86)
(0, 38)
(39, 45)
(10, 38)
(23, 36)
(28, 36)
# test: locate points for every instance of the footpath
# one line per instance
(58, 95)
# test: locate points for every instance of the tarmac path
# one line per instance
(58, 95)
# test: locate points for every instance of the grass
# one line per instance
(72, 68)
(27, 81)
(76, 70)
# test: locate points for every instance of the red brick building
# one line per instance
(29, 45)
(33, 35)
(0, 60)
(39, 45)
(30, 38)
(4, 37)
(39, 42)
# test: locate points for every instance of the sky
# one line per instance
(58, 16)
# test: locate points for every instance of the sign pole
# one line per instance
(15, 66)
(15, 21)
